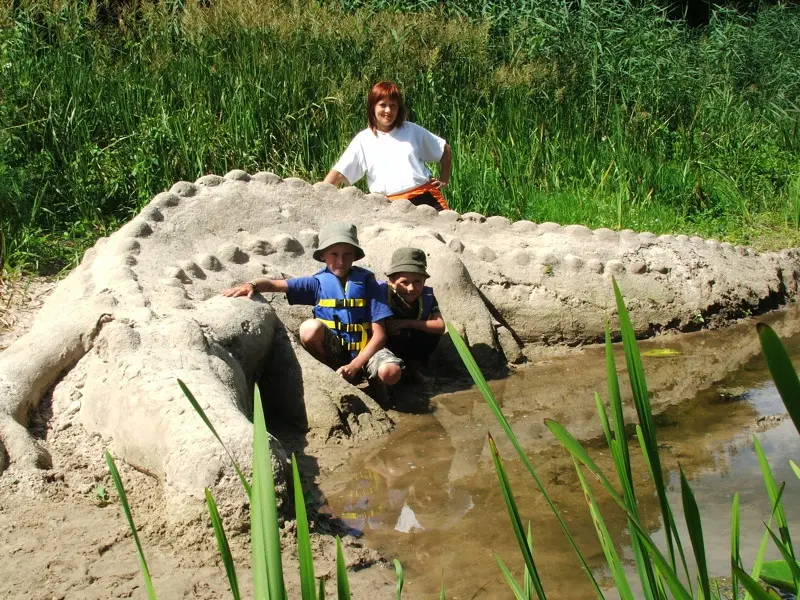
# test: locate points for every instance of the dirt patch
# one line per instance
(63, 533)
(20, 299)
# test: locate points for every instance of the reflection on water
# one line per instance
(428, 495)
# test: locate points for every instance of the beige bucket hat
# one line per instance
(338, 232)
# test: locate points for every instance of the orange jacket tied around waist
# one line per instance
(418, 191)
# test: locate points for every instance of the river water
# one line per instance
(428, 494)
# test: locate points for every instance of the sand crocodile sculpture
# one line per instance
(144, 308)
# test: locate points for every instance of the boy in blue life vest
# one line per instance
(416, 324)
(347, 332)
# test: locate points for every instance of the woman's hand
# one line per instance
(246, 289)
(438, 183)
(335, 178)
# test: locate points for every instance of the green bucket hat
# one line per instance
(408, 260)
(338, 232)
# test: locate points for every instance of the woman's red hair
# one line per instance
(379, 91)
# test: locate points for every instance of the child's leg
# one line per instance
(385, 367)
(323, 344)
(312, 336)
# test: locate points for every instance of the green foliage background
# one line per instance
(597, 112)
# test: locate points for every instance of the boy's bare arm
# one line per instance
(375, 343)
(434, 325)
(257, 285)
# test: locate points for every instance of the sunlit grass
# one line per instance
(609, 116)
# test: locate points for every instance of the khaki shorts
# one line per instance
(336, 356)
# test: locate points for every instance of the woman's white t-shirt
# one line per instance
(393, 162)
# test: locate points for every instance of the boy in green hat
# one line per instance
(347, 332)
(416, 324)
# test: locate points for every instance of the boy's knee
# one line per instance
(311, 332)
(389, 373)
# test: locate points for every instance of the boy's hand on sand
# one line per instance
(348, 371)
(246, 289)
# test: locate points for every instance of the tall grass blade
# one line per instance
(612, 557)
(266, 545)
(736, 556)
(762, 550)
(664, 568)
(578, 452)
(649, 465)
(644, 413)
(694, 525)
(528, 580)
(519, 593)
(321, 589)
(398, 569)
(783, 371)
(307, 579)
(516, 521)
(342, 582)
(222, 544)
(752, 586)
(774, 495)
(778, 573)
(618, 444)
(795, 468)
(483, 387)
(442, 595)
(196, 405)
(788, 558)
(123, 498)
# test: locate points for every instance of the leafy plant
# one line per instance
(660, 576)
(100, 494)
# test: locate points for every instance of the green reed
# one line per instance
(660, 576)
(607, 115)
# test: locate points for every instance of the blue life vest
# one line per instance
(424, 302)
(346, 311)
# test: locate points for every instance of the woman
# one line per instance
(392, 153)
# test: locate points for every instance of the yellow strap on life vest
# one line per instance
(341, 302)
(350, 328)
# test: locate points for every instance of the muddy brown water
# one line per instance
(428, 494)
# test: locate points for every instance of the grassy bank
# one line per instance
(607, 115)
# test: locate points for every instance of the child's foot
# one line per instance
(420, 374)
(379, 391)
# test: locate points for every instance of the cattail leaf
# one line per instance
(736, 557)
(196, 405)
(516, 521)
(694, 525)
(398, 569)
(342, 582)
(266, 545)
(783, 372)
(519, 593)
(480, 382)
(751, 585)
(222, 544)
(123, 498)
(307, 579)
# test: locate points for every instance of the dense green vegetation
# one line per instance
(598, 112)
